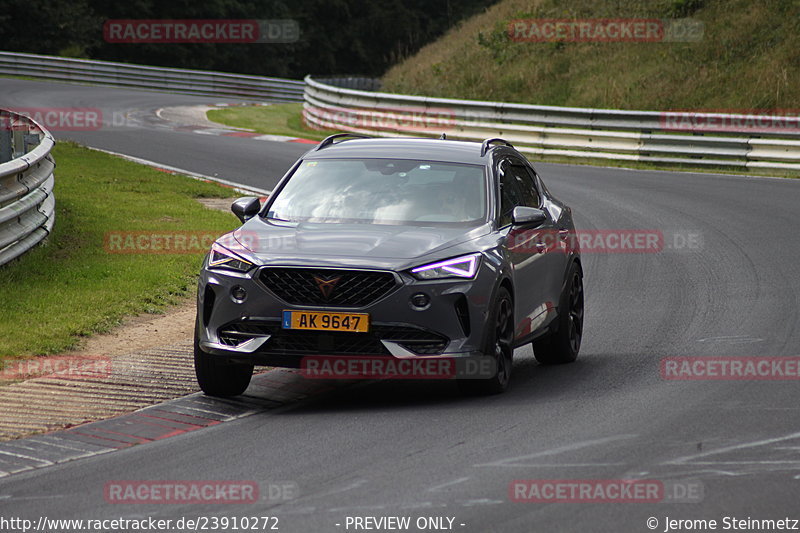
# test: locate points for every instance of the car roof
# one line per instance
(421, 149)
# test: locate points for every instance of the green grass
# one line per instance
(71, 287)
(278, 119)
(15, 77)
(748, 59)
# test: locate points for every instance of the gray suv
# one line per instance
(405, 249)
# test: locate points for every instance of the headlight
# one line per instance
(459, 267)
(223, 258)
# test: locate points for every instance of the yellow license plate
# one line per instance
(322, 321)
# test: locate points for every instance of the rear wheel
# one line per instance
(218, 377)
(499, 347)
(561, 345)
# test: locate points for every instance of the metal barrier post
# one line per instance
(5, 142)
(30, 141)
(17, 143)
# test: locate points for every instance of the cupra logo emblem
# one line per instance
(326, 285)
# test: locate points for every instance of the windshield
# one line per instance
(383, 191)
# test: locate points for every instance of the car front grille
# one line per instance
(303, 342)
(327, 287)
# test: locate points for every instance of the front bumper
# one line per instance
(248, 329)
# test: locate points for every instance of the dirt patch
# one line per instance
(220, 204)
(144, 332)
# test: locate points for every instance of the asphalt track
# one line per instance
(420, 449)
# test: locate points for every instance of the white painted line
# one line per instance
(514, 461)
(247, 189)
(351, 486)
(704, 471)
(21, 498)
(746, 463)
(28, 457)
(357, 508)
(278, 138)
(448, 484)
(64, 446)
(4, 473)
(691, 458)
(558, 465)
(482, 501)
(732, 339)
(165, 406)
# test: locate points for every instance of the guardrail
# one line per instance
(195, 82)
(647, 136)
(360, 83)
(27, 203)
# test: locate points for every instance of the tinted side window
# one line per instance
(510, 193)
(526, 185)
(538, 181)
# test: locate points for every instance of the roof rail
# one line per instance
(327, 141)
(485, 145)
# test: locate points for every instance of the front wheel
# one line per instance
(499, 347)
(562, 343)
(218, 377)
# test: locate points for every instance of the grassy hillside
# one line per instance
(749, 58)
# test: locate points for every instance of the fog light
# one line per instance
(238, 294)
(420, 301)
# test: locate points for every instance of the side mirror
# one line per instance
(527, 216)
(246, 208)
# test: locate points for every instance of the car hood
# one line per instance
(367, 244)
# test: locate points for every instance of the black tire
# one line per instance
(219, 377)
(499, 345)
(562, 344)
